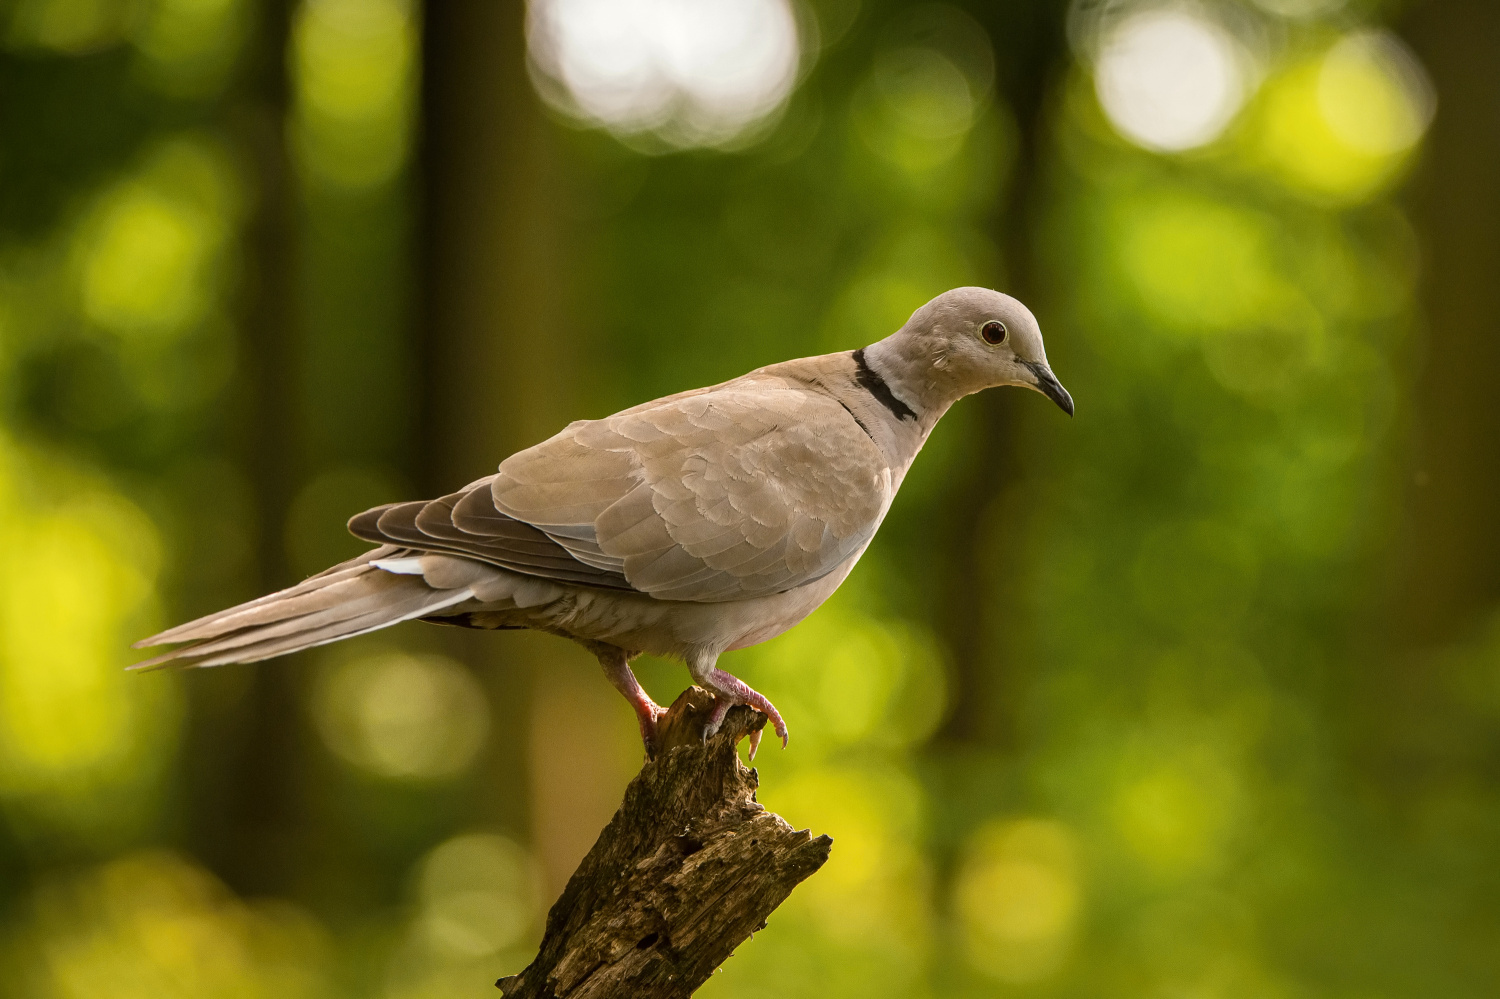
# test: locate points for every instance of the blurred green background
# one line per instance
(1196, 696)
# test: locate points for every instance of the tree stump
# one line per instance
(690, 866)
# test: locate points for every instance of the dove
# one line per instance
(685, 527)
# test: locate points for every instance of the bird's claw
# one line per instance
(773, 716)
(650, 715)
(729, 689)
(722, 704)
(715, 721)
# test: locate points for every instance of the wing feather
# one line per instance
(741, 490)
(470, 526)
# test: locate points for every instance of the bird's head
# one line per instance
(970, 339)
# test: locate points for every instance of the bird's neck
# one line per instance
(906, 385)
(891, 406)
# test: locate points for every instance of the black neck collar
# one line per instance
(871, 382)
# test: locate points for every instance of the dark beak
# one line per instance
(1049, 386)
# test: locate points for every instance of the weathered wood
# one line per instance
(687, 869)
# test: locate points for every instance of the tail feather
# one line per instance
(271, 607)
(347, 600)
(375, 596)
(329, 605)
(360, 625)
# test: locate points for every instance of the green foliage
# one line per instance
(1099, 713)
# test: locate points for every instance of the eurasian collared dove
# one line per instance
(705, 521)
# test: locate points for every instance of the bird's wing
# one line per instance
(467, 523)
(746, 489)
(751, 488)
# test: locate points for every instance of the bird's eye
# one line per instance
(993, 332)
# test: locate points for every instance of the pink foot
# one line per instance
(730, 690)
(648, 713)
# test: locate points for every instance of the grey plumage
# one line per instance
(700, 522)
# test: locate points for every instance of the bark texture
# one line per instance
(687, 869)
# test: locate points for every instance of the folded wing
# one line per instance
(744, 490)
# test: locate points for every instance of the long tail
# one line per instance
(350, 599)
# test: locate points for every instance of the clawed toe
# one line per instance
(730, 689)
(723, 703)
(650, 717)
(775, 719)
(715, 721)
(768, 709)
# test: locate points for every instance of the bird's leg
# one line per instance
(616, 663)
(728, 691)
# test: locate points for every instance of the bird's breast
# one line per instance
(678, 628)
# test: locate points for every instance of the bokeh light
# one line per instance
(143, 270)
(189, 47)
(149, 252)
(927, 90)
(315, 534)
(479, 895)
(1199, 265)
(402, 716)
(75, 730)
(871, 909)
(74, 27)
(475, 914)
(354, 69)
(1019, 898)
(855, 679)
(691, 72)
(157, 926)
(1299, 9)
(1374, 94)
(1342, 125)
(1170, 79)
(1175, 814)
